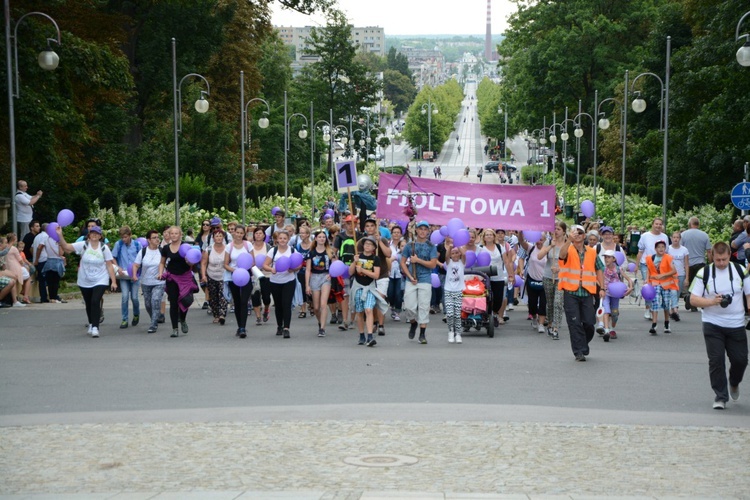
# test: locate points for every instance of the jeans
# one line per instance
(129, 290)
(579, 312)
(395, 294)
(733, 342)
(152, 295)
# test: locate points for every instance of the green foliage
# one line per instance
(207, 199)
(110, 199)
(446, 99)
(80, 204)
(133, 196)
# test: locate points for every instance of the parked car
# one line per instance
(509, 167)
(492, 166)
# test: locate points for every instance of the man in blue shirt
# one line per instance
(418, 259)
(125, 252)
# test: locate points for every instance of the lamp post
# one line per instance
(602, 123)
(578, 132)
(245, 130)
(565, 136)
(302, 135)
(327, 137)
(504, 110)
(430, 110)
(743, 53)
(201, 106)
(639, 106)
(48, 60)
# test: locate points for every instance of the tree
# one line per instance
(399, 89)
(398, 62)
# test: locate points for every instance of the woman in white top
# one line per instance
(212, 274)
(148, 261)
(262, 289)
(283, 283)
(96, 273)
(499, 257)
(240, 294)
(535, 267)
(551, 250)
(395, 292)
(681, 260)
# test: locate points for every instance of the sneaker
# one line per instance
(321, 332)
(412, 330)
(175, 333)
(266, 314)
(286, 333)
(205, 306)
(381, 330)
(361, 339)
(600, 328)
(243, 333)
(161, 319)
(89, 328)
(18, 304)
(652, 331)
(151, 329)
(506, 318)
(334, 319)
(515, 302)
(371, 343)
(667, 330)
(95, 332)
(432, 310)
(184, 327)
(339, 318)
(458, 338)
(534, 321)
(647, 315)
(344, 327)
(580, 357)
(422, 339)
(279, 331)
(612, 334)
(734, 392)
(675, 316)
(719, 405)
(549, 331)
(445, 319)
(258, 321)
(396, 317)
(510, 308)
(124, 324)
(530, 318)
(555, 335)
(136, 318)
(606, 336)
(540, 329)
(451, 337)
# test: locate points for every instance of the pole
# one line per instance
(312, 165)
(505, 139)
(330, 150)
(578, 162)
(666, 136)
(286, 159)
(624, 150)
(565, 152)
(595, 133)
(11, 118)
(243, 131)
(176, 146)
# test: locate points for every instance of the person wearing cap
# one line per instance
(418, 259)
(580, 272)
(366, 270)
(661, 275)
(278, 224)
(608, 242)
(610, 304)
(646, 248)
(383, 251)
(95, 275)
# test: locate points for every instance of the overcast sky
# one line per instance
(412, 17)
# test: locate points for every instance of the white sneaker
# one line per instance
(95, 332)
(19, 304)
(600, 328)
(451, 336)
(90, 329)
(534, 322)
(458, 338)
(647, 315)
(510, 307)
(540, 329)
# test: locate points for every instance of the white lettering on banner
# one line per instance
(477, 206)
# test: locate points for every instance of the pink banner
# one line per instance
(478, 205)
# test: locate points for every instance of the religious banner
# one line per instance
(478, 205)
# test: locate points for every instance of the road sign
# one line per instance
(741, 195)
(346, 173)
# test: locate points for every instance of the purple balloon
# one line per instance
(461, 237)
(518, 281)
(193, 256)
(282, 264)
(240, 277)
(436, 238)
(454, 225)
(184, 249)
(648, 292)
(296, 260)
(631, 267)
(65, 217)
(587, 208)
(484, 258)
(268, 239)
(532, 236)
(130, 270)
(330, 212)
(435, 281)
(346, 275)
(617, 289)
(444, 230)
(245, 261)
(260, 260)
(471, 258)
(52, 231)
(337, 269)
(274, 210)
(143, 242)
(619, 258)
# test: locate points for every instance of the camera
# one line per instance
(726, 299)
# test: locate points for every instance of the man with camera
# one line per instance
(719, 289)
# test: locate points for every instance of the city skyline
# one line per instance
(469, 19)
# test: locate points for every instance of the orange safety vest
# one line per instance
(573, 274)
(669, 283)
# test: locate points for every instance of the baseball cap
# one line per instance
(349, 218)
(216, 221)
(370, 239)
(660, 242)
(95, 229)
(608, 253)
(577, 227)
(606, 229)
(371, 219)
(423, 223)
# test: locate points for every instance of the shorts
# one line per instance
(382, 286)
(25, 274)
(319, 280)
(663, 301)
(4, 281)
(368, 303)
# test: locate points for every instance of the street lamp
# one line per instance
(504, 110)
(429, 109)
(602, 123)
(48, 60)
(201, 106)
(578, 132)
(743, 53)
(245, 130)
(327, 137)
(639, 106)
(302, 135)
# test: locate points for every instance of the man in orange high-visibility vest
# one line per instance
(580, 273)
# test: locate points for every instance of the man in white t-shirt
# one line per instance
(24, 210)
(720, 289)
(646, 248)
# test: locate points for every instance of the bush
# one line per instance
(252, 194)
(80, 204)
(221, 199)
(207, 199)
(233, 202)
(133, 196)
(109, 199)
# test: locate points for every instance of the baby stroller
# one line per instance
(476, 305)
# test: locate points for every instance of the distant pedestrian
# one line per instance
(662, 276)
(147, 262)
(480, 172)
(419, 171)
(466, 171)
(24, 207)
(699, 247)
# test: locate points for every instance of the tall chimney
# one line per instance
(488, 34)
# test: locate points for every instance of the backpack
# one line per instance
(736, 265)
(347, 251)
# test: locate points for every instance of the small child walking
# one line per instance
(454, 287)
(662, 276)
(610, 304)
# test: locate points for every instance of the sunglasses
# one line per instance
(206, 224)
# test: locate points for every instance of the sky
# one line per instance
(411, 17)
